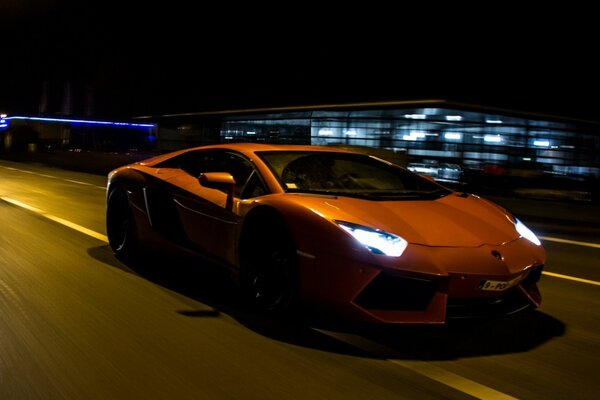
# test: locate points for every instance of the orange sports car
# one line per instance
(342, 231)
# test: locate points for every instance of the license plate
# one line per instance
(498, 286)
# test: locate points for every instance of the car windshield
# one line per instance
(346, 174)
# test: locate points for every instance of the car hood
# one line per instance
(451, 221)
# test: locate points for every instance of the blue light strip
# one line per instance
(82, 121)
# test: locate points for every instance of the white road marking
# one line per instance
(567, 241)
(54, 218)
(53, 177)
(424, 368)
(79, 182)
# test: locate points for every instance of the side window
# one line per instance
(246, 178)
(191, 163)
(254, 187)
(247, 181)
(197, 162)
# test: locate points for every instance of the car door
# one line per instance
(206, 222)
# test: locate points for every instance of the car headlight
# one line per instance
(526, 232)
(377, 241)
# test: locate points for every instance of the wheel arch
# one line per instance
(127, 178)
(256, 222)
(265, 229)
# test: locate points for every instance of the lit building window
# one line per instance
(414, 135)
(541, 143)
(492, 138)
(325, 132)
(415, 116)
(453, 136)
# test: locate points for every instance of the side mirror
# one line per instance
(222, 181)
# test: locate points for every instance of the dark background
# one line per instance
(124, 61)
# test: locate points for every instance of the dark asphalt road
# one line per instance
(75, 323)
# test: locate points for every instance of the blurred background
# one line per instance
(519, 111)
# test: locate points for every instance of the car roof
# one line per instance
(254, 147)
(244, 148)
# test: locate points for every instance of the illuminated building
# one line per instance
(432, 130)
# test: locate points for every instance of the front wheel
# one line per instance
(270, 272)
(119, 224)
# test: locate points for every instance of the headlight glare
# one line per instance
(377, 241)
(526, 232)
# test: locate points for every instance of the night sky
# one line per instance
(125, 62)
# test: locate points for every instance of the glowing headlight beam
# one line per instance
(378, 242)
(526, 232)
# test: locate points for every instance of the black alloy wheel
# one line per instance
(269, 273)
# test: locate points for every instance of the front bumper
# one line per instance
(396, 298)
(426, 288)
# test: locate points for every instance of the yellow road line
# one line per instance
(571, 278)
(54, 218)
(53, 177)
(567, 241)
(424, 368)
(453, 380)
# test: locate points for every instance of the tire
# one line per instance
(269, 271)
(119, 224)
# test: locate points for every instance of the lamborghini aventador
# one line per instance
(342, 231)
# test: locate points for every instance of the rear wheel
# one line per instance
(119, 223)
(270, 270)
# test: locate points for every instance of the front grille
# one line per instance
(508, 303)
(393, 292)
(532, 278)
